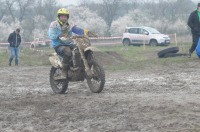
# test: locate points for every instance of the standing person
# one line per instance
(14, 39)
(60, 32)
(194, 24)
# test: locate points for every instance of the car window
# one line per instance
(133, 30)
(142, 31)
(153, 30)
(145, 31)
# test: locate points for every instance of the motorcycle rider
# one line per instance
(60, 32)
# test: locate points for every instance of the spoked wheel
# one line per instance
(59, 86)
(97, 81)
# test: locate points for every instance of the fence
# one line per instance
(100, 41)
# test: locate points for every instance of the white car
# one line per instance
(39, 42)
(141, 35)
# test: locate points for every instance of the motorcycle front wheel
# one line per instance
(97, 81)
(58, 86)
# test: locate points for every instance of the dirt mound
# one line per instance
(110, 58)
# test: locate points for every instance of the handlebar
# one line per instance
(84, 36)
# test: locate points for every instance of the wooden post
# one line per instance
(175, 39)
(144, 47)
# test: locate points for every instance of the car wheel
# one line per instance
(32, 46)
(153, 43)
(126, 42)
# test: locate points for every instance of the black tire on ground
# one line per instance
(126, 42)
(162, 53)
(174, 55)
(55, 84)
(98, 77)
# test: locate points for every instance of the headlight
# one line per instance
(166, 37)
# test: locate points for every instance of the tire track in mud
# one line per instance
(159, 99)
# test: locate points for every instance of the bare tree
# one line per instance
(108, 12)
(39, 7)
(2, 9)
(184, 8)
(28, 26)
(9, 7)
(23, 6)
(50, 9)
(107, 9)
(168, 9)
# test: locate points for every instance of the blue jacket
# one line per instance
(198, 49)
(55, 30)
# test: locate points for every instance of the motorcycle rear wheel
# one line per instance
(58, 86)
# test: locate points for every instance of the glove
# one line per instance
(63, 38)
(86, 31)
(91, 34)
(60, 35)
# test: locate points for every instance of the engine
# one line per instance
(76, 58)
(76, 73)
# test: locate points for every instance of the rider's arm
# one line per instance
(79, 31)
(53, 31)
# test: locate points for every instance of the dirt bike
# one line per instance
(83, 66)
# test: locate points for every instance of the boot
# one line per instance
(64, 71)
(189, 54)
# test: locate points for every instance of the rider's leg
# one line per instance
(66, 53)
(67, 56)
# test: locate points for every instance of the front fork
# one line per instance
(85, 62)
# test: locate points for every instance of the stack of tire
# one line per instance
(170, 52)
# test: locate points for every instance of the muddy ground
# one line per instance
(153, 99)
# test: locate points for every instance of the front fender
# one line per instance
(91, 49)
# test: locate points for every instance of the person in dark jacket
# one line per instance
(194, 24)
(15, 40)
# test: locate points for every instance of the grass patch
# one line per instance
(140, 57)
(4, 57)
(135, 57)
(27, 57)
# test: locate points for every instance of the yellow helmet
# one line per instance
(63, 11)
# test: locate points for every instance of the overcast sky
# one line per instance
(76, 2)
(68, 2)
